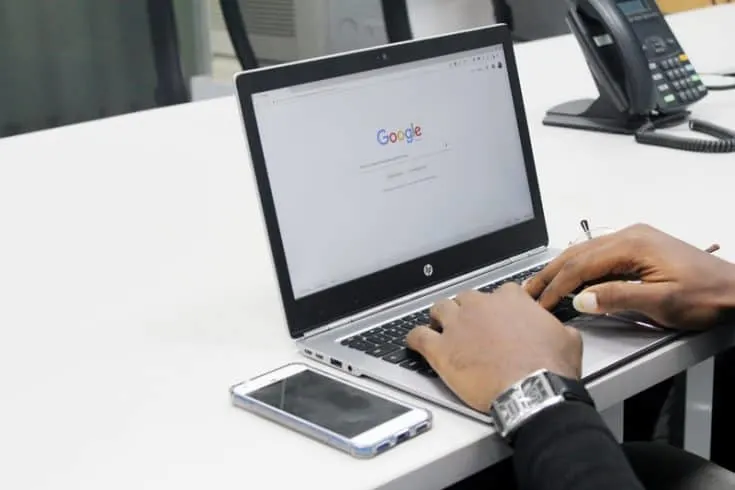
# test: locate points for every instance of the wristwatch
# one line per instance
(532, 395)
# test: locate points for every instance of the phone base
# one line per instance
(593, 115)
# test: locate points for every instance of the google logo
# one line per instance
(408, 135)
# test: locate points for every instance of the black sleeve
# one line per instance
(569, 447)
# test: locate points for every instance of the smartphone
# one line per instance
(347, 417)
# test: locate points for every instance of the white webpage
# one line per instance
(372, 170)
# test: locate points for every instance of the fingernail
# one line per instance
(585, 302)
(525, 283)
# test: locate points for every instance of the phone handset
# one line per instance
(617, 46)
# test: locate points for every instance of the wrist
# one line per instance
(721, 297)
(728, 293)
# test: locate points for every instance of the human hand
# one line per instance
(679, 285)
(491, 341)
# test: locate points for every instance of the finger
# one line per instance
(426, 342)
(613, 258)
(617, 296)
(538, 283)
(444, 312)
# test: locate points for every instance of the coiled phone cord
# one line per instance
(725, 142)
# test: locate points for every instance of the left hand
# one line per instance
(678, 285)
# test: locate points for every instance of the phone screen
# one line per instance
(631, 7)
(328, 403)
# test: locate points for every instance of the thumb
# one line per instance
(426, 342)
(618, 296)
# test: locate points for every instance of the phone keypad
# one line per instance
(676, 81)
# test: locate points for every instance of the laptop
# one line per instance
(389, 178)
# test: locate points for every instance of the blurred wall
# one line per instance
(66, 61)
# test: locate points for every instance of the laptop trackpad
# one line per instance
(610, 341)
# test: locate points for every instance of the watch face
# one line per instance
(508, 407)
(531, 392)
(522, 400)
(536, 390)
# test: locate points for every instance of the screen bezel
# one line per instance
(376, 435)
(328, 306)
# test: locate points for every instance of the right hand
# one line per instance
(491, 341)
(680, 285)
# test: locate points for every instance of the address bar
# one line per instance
(347, 86)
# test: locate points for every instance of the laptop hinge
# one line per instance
(423, 293)
(529, 254)
(325, 328)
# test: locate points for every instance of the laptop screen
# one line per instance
(374, 169)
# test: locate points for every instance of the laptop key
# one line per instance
(428, 372)
(401, 342)
(360, 345)
(397, 356)
(378, 339)
(394, 333)
(372, 331)
(411, 364)
(382, 350)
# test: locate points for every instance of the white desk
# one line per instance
(135, 287)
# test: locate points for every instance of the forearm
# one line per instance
(569, 447)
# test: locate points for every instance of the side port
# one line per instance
(334, 362)
(319, 356)
(308, 352)
(382, 448)
(422, 428)
(403, 437)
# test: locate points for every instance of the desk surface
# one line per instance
(135, 287)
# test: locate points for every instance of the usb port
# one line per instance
(334, 362)
(308, 352)
(402, 437)
(319, 356)
(422, 428)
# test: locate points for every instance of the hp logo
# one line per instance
(428, 270)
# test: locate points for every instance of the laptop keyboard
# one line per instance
(388, 341)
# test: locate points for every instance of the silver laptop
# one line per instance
(389, 178)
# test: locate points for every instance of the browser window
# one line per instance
(371, 170)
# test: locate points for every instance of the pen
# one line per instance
(586, 228)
